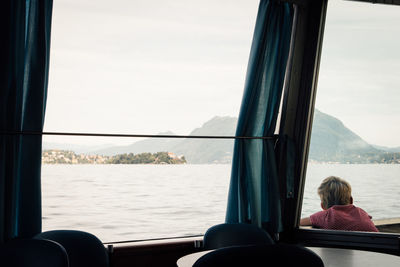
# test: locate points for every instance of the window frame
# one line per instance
(297, 117)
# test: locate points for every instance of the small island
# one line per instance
(55, 156)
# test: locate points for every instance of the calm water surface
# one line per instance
(134, 202)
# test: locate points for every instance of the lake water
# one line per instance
(135, 202)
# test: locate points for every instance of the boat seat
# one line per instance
(32, 253)
(83, 249)
(275, 255)
(235, 234)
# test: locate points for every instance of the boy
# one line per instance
(338, 212)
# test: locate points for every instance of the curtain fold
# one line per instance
(24, 63)
(254, 190)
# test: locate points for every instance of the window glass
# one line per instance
(355, 132)
(121, 193)
(147, 67)
(143, 68)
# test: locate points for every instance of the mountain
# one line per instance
(79, 149)
(196, 151)
(151, 145)
(331, 141)
(209, 150)
(388, 149)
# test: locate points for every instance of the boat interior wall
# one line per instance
(153, 253)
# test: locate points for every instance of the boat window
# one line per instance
(159, 74)
(355, 133)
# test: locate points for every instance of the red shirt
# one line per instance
(343, 217)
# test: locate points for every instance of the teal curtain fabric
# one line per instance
(24, 63)
(254, 191)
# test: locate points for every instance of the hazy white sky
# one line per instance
(146, 67)
(359, 80)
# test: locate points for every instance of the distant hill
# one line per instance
(331, 141)
(209, 150)
(388, 149)
(74, 147)
(195, 150)
(151, 145)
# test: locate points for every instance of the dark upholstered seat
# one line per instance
(32, 253)
(234, 234)
(277, 255)
(83, 249)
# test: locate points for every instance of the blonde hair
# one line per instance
(334, 191)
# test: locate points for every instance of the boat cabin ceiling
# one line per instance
(284, 131)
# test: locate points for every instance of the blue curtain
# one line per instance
(254, 191)
(24, 62)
